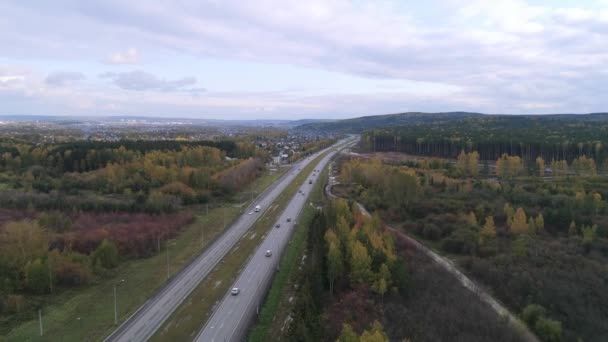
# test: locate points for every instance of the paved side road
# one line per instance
(232, 318)
(144, 323)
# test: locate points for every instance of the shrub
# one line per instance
(548, 330)
(460, 241)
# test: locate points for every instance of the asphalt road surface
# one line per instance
(231, 319)
(143, 323)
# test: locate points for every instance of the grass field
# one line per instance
(185, 322)
(277, 306)
(87, 314)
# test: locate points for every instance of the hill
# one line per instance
(361, 124)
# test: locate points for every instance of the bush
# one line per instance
(548, 330)
(460, 241)
(532, 313)
(106, 255)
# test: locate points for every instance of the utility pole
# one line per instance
(168, 266)
(202, 235)
(167, 249)
(115, 307)
(40, 321)
(115, 303)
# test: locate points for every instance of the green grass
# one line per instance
(186, 321)
(87, 314)
(277, 304)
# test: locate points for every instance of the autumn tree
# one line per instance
(374, 334)
(559, 168)
(22, 241)
(509, 212)
(584, 166)
(488, 231)
(540, 165)
(519, 224)
(467, 163)
(472, 219)
(348, 334)
(508, 166)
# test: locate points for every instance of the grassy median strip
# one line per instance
(87, 314)
(187, 320)
(277, 305)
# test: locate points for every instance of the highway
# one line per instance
(143, 323)
(231, 319)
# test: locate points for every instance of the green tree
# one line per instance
(572, 230)
(531, 225)
(374, 334)
(335, 264)
(37, 276)
(348, 334)
(106, 255)
(539, 222)
(360, 263)
(548, 330)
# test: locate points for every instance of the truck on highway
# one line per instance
(257, 209)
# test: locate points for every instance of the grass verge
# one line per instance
(190, 316)
(277, 305)
(87, 314)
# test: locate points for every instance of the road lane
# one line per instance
(144, 322)
(232, 317)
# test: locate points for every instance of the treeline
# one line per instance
(528, 137)
(351, 264)
(139, 179)
(84, 155)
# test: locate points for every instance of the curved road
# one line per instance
(144, 322)
(232, 317)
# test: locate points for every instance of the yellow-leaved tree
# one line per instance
(519, 224)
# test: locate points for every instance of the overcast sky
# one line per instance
(293, 59)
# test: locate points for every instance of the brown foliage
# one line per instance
(135, 235)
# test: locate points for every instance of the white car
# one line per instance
(235, 291)
(268, 253)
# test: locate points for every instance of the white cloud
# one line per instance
(130, 56)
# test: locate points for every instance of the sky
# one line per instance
(293, 59)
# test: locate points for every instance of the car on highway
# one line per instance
(278, 225)
(268, 253)
(235, 291)
(310, 181)
(289, 219)
(302, 194)
(300, 191)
